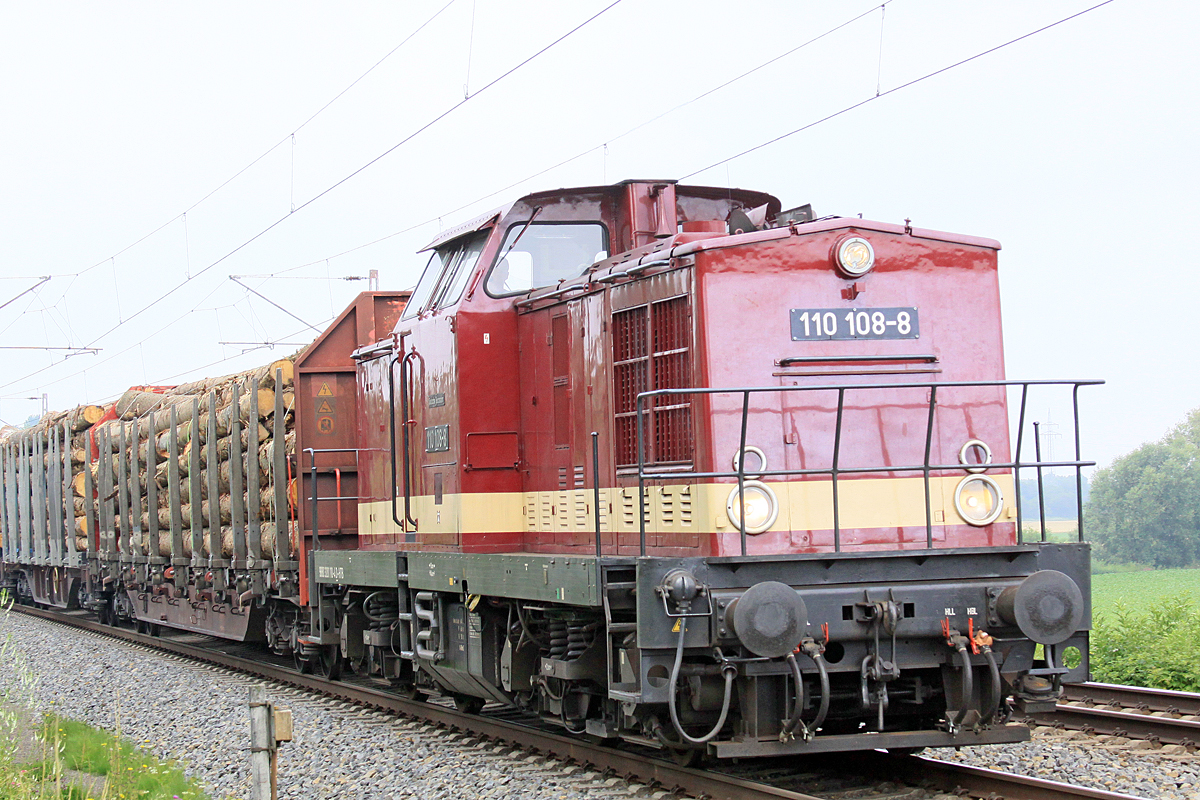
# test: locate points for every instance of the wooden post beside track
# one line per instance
(269, 726)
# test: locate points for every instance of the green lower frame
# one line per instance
(571, 580)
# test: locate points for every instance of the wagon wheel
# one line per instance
(329, 662)
(411, 692)
(114, 619)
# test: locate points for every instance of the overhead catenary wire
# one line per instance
(601, 146)
(272, 302)
(696, 172)
(44, 279)
(424, 127)
(47, 347)
(273, 147)
(895, 89)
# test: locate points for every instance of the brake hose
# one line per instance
(968, 688)
(997, 697)
(823, 709)
(728, 670)
(813, 652)
(794, 720)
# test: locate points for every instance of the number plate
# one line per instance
(854, 323)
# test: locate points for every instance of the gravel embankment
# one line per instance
(198, 716)
(1108, 763)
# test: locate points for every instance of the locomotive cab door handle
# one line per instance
(408, 524)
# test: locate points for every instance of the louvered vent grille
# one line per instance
(651, 350)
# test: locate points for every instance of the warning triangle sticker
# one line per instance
(324, 408)
(324, 391)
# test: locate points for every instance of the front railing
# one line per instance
(835, 471)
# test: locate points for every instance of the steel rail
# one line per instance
(711, 783)
(1115, 695)
(1128, 711)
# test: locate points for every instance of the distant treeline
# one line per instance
(1145, 508)
(1059, 492)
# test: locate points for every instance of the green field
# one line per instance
(1144, 626)
(1139, 591)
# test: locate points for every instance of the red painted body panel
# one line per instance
(745, 295)
(523, 380)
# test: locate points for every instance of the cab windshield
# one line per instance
(544, 253)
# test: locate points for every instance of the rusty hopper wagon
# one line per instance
(660, 463)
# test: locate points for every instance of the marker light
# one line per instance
(753, 473)
(762, 507)
(978, 500)
(855, 256)
(980, 448)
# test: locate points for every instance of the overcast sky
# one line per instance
(1074, 147)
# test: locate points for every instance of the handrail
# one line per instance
(405, 411)
(316, 496)
(392, 438)
(645, 400)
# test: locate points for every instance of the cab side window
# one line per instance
(446, 275)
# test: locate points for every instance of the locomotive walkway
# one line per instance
(864, 775)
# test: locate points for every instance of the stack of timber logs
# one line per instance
(96, 434)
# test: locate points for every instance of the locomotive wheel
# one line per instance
(467, 704)
(303, 665)
(693, 757)
(330, 662)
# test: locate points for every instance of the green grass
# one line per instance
(131, 773)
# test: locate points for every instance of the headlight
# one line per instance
(980, 448)
(762, 507)
(978, 500)
(855, 256)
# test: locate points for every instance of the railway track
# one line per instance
(1104, 709)
(869, 775)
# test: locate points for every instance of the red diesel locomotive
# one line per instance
(665, 464)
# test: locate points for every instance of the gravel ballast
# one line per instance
(1114, 765)
(198, 715)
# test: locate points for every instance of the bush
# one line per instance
(1158, 648)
